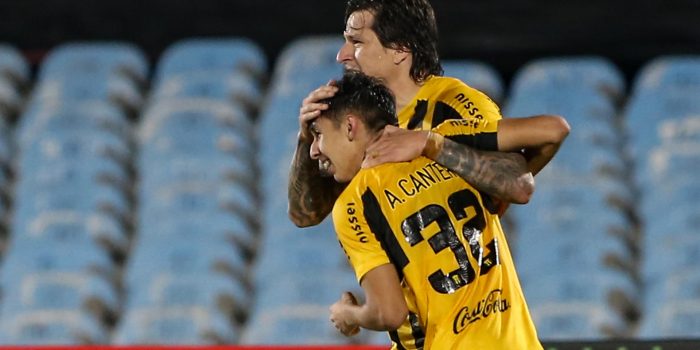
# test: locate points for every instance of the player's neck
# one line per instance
(404, 90)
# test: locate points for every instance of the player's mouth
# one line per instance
(325, 167)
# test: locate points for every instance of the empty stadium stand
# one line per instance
(144, 201)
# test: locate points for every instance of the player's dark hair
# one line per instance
(406, 24)
(366, 97)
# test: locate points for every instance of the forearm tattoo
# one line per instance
(310, 196)
(500, 174)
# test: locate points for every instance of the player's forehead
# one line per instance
(359, 22)
(320, 123)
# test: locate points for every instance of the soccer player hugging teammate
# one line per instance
(426, 246)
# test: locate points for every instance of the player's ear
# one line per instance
(401, 54)
(351, 124)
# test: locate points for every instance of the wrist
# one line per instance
(433, 145)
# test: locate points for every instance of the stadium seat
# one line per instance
(675, 320)
(570, 320)
(51, 327)
(669, 71)
(298, 324)
(31, 255)
(478, 75)
(10, 97)
(61, 290)
(211, 54)
(69, 225)
(203, 256)
(554, 72)
(210, 85)
(174, 326)
(208, 290)
(90, 58)
(13, 65)
(121, 92)
(306, 55)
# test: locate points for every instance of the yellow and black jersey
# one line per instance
(450, 253)
(444, 98)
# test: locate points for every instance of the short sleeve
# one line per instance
(471, 103)
(361, 246)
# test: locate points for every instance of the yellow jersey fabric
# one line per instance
(455, 110)
(449, 250)
(444, 98)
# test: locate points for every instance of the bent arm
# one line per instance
(310, 196)
(540, 137)
(500, 174)
(385, 308)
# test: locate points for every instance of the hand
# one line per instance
(311, 108)
(395, 145)
(339, 315)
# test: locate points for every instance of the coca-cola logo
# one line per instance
(494, 302)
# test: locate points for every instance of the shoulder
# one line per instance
(366, 179)
(466, 100)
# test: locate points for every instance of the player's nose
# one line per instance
(314, 150)
(345, 53)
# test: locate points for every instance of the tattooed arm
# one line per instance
(500, 174)
(507, 176)
(310, 195)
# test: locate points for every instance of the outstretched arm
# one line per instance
(310, 196)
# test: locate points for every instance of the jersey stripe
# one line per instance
(418, 115)
(443, 112)
(379, 225)
(487, 141)
(394, 336)
(416, 330)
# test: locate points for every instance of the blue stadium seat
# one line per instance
(669, 71)
(121, 92)
(308, 54)
(555, 72)
(60, 290)
(89, 58)
(557, 321)
(151, 257)
(207, 290)
(174, 326)
(665, 88)
(51, 327)
(70, 225)
(211, 54)
(614, 292)
(296, 324)
(163, 225)
(232, 87)
(478, 75)
(13, 65)
(35, 255)
(675, 319)
(10, 97)
(679, 131)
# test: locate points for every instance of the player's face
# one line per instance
(362, 49)
(337, 155)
